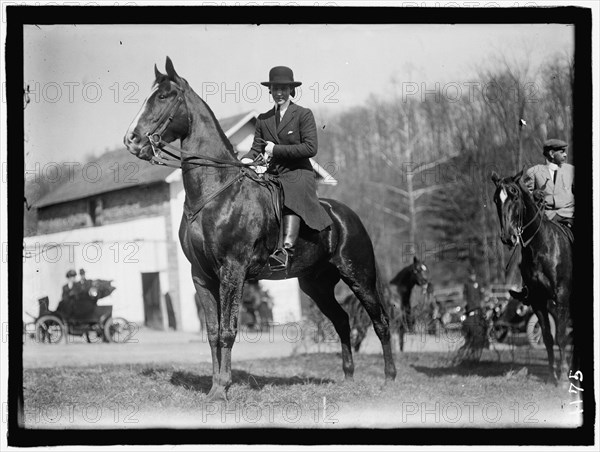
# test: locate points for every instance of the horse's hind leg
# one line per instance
(320, 287)
(364, 285)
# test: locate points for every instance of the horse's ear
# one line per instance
(171, 70)
(495, 177)
(159, 75)
(519, 175)
(415, 260)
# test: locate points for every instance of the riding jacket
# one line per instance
(295, 142)
(559, 195)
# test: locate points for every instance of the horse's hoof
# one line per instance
(553, 379)
(217, 394)
(348, 379)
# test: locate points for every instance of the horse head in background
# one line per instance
(416, 273)
(397, 304)
(546, 259)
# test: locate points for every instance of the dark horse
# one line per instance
(546, 260)
(401, 315)
(230, 227)
(404, 282)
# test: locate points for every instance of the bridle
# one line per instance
(159, 145)
(521, 229)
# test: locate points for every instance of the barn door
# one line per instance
(153, 317)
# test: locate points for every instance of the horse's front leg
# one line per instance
(562, 319)
(542, 314)
(230, 295)
(209, 297)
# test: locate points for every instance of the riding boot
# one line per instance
(521, 296)
(279, 260)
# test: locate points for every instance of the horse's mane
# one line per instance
(187, 89)
(224, 138)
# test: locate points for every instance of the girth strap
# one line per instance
(192, 213)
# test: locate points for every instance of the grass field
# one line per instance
(503, 389)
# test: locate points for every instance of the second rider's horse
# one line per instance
(546, 260)
(230, 227)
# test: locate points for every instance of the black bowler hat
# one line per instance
(71, 273)
(281, 75)
(554, 145)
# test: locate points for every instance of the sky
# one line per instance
(88, 82)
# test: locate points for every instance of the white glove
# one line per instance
(269, 148)
(257, 169)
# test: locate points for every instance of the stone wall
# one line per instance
(117, 206)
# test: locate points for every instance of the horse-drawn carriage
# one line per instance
(81, 316)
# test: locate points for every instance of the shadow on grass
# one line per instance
(203, 383)
(484, 369)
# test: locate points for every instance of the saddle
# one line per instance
(272, 183)
(565, 228)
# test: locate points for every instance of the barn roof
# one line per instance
(119, 169)
(114, 170)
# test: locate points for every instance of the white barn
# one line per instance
(118, 219)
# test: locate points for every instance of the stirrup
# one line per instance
(278, 263)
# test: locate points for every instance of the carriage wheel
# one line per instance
(49, 329)
(117, 329)
(534, 331)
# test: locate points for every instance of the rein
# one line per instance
(521, 230)
(159, 145)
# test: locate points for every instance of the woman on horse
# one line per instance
(286, 136)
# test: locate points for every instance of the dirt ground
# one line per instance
(150, 346)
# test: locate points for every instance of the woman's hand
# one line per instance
(269, 147)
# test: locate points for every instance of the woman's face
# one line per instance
(280, 93)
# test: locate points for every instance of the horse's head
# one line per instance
(508, 198)
(420, 272)
(163, 114)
